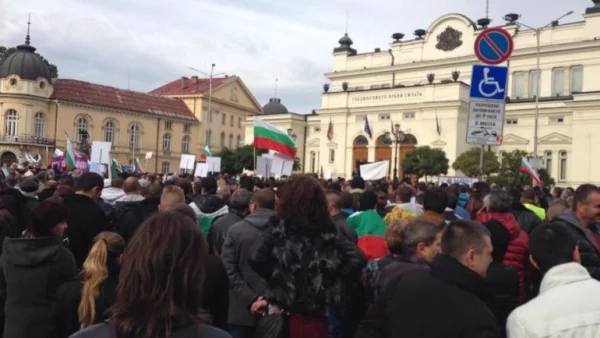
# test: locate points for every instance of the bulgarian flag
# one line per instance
(69, 154)
(137, 166)
(113, 168)
(205, 153)
(267, 136)
(527, 168)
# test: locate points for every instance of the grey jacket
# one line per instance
(219, 229)
(245, 285)
(590, 252)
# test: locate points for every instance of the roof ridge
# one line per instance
(120, 89)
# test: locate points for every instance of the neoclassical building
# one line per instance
(422, 84)
(37, 111)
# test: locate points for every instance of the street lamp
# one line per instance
(291, 134)
(514, 19)
(398, 138)
(210, 77)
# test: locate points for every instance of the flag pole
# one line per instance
(254, 156)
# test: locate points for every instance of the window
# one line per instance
(534, 79)
(238, 140)
(562, 174)
(222, 140)
(187, 127)
(518, 88)
(331, 155)
(223, 119)
(313, 162)
(360, 118)
(208, 137)
(512, 121)
(109, 131)
(239, 122)
(230, 144)
(556, 119)
(408, 116)
(231, 119)
(558, 81)
(185, 144)
(166, 142)
(10, 124)
(164, 167)
(576, 79)
(384, 117)
(548, 161)
(317, 129)
(210, 116)
(38, 125)
(168, 125)
(134, 135)
(81, 127)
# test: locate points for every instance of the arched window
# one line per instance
(82, 126)
(109, 131)
(164, 167)
(167, 142)
(134, 135)
(208, 137)
(38, 125)
(361, 141)
(222, 140)
(230, 141)
(238, 141)
(11, 118)
(562, 169)
(185, 144)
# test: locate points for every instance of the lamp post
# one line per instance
(514, 18)
(210, 77)
(397, 140)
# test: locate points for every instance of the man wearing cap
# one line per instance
(208, 206)
(29, 188)
(239, 205)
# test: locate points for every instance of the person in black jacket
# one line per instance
(238, 209)
(86, 219)
(85, 300)
(443, 303)
(32, 268)
(527, 219)
(502, 281)
(134, 213)
(338, 217)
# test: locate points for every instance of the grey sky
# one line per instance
(258, 40)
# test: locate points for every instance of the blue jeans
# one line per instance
(240, 331)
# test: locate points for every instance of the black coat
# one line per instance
(190, 331)
(132, 214)
(45, 194)
(501, 291)
(589, 251)
(245, 285)
(343, 228)
(16, 204)
(68, 298)
(86, 220)
(219, 229)
(527, 219)
(32, 269)
(443, 303)
(215, 294)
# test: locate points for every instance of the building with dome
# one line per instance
(170, 121)
(422, 84)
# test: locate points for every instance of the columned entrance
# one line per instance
(360, 152)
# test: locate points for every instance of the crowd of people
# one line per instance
(147, 255)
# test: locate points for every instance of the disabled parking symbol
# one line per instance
(489, 82)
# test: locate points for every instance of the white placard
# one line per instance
(214, 164)
(281, 165)
(486, 122)
(327, 174)
(100, 152)
(97, 168)
(459, 180)
(148, 155)
(201, 169)
(187, 162)
(263, 166)
(374, 171)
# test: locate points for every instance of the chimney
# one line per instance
(195, 79)
(184, 82)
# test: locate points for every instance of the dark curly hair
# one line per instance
(303, 206)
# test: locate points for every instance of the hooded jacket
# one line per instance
(131, 214)
(207, 209)
(518, 246)
(589, 251)
(527, 218)
(32, 270)
(568, 306)
(110, 195)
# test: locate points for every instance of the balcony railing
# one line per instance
(27, 139)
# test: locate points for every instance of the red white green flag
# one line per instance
(330, 130)
(267, 136)
(69, 153)
(205, 153)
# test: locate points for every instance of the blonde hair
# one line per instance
(171, 196)
(95, 272)
(393, 234)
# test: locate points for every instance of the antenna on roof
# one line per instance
(346, 31)
(27, 38)
(276, 81)
(487, 9)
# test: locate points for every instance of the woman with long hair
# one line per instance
(32, 269)
(304, 260)
(160, 284)
(85, 300)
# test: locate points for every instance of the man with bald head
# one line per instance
(132, 189)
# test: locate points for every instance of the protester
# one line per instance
(85, 300)
(32, 268)
(369, 227)
(527, 219)
(238, 209)
(528, 199)
(29, 188)
(171, 196)
(132, 190)
(160, 284)
(455, 283)
(304, 260)
(113, 193)
(556, 208)
(48, 190)
(134, 213)
(208, 206)
(582, 222)
(404, 208)
(435, 201)
(334, 203)
(569, 301)
(450, 211)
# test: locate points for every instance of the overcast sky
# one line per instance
(258, 40)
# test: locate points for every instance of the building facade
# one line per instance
(423, 85)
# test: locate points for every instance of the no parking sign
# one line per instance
(494, 46)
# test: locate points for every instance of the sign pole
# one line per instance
(481, 162)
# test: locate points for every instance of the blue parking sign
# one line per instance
(489, 82)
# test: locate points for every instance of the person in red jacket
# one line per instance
(497, 206)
